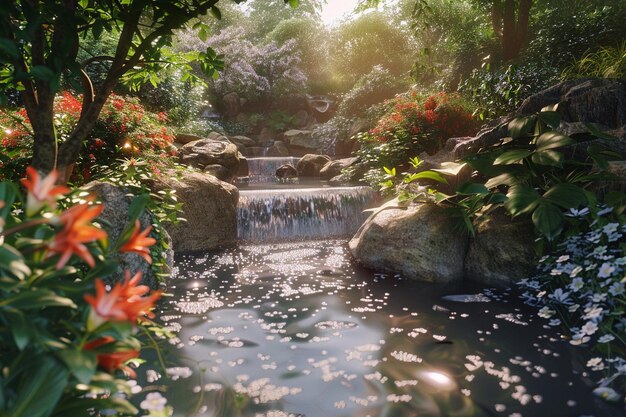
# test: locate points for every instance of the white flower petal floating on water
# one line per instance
(154, 402)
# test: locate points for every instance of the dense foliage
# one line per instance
(124, 128)
(65, 341)
(413, 125)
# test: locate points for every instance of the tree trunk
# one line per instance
(510, 23)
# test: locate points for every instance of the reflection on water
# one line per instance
(296, 330)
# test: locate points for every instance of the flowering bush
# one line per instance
(582, 285)
(413, 125)
(252, 71)
(124, 128)
(66, 343)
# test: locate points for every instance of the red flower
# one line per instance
(41, 191)
(139, 242)
(430, 103)
(125, 301)
(77, 231)
(110, 361)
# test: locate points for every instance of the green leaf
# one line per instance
(19, 327)
(12, 262)
(521, 126)
(512, 157)
(502, 179)
(468, 188)
(595, 131)
(550, 158)
(549, 220)
(82, 364)
(553, 140)
(137, 206)
(566, 195)
(41, 387)
(9, 48)
(550, 118)
(44, 73)
(430, 175)
(521, 199)
(8, 194)
(293, 3)
(37, 298)
(390, 171)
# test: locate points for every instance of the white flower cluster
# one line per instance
(583, 287)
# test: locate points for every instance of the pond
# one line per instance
(296, 329)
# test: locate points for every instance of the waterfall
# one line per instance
(263, 169)
(297, 214)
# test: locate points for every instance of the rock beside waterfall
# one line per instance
(310, 165)
(242, 140)
(334, 168)
(209, 151)
(210, 210)
(419, 242)
(286, 171)
(115, 216)
(502, 252)
(278, 148)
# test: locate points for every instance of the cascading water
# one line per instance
(263, 169)
(297, 214)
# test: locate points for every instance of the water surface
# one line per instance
(295, 329)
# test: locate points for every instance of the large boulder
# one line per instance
(303, 141)
(419, 242)
(334, 168)
(502, 252)
(210, 210)
(242, 140)
(185, 138)
(115, 218)
(211, 151)
(286, 171)
(310, 165)
(600, 101)
(278, 149)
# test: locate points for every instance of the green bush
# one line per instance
(412, 125)
(607, 62)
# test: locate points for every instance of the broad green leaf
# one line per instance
(497, 198)
(37, 298)
(521, 199)
(502, 179)
(512, 157)
(468, 188)
(44, 73)
(566, 195)
(137, 207)
(521, 126)
(41, 387)
(82, 364)
(9, 48)
(390, 171)
(215, 11)
(553, 140)
(548, 219)
(550, 118)
(550, 158)
(595, 130)
(8, 194)
(426, 175)
(293, 3)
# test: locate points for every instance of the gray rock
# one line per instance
(310, 165)
(286, 171)
(218, 171)
(334, 168)
(115, 216)
(210, 210)
(419, 242)
(278, 149)
(211, 151)
(185, 138)
(243, 169)
(266, 136)
(242, 140)
(502, 252)
(304, 140)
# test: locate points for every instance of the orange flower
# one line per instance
(125, 301)
(77, 231)
(41, 191)
(110, 361)
(139, 242)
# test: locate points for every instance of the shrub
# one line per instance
(413, 125)
(607, 62)
(496, 92)
(125, 127)
(65, 342)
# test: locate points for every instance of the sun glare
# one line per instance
(335, 10)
